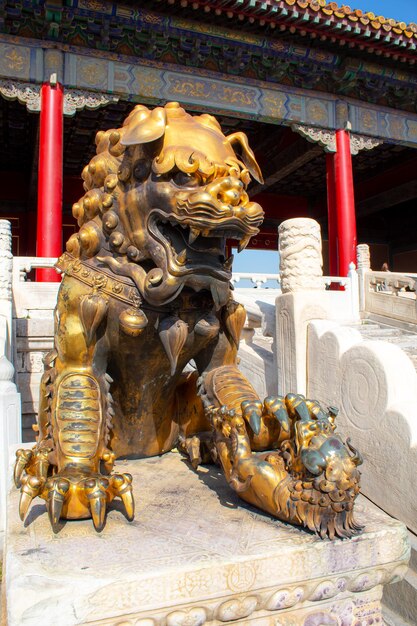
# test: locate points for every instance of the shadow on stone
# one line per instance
(214, 478)
(36, 511)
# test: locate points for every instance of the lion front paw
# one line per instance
(75, 493)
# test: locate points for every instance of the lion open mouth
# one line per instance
(197, 244)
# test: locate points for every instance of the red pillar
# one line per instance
(345, 203)
(49, 228)
(331, 214)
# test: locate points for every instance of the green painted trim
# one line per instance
(155, 83)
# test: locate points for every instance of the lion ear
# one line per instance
(248, 157)
(145, 128)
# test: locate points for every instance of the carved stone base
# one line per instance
(195, 555)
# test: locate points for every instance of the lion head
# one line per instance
(163, 194)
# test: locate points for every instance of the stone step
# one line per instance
(190, 559)
(399, 336)
(378, 331)
(410, 348)
(393, 619)
(404, 339)
(400, 598)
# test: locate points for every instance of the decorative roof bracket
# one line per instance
(74, 99)
(25, 93)
(327, 138)
(77, 99)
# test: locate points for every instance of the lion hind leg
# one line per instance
(199, 448)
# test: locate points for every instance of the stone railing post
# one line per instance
(10, 424)
(354, 291)
(301, 261)
(6, 280)
(10, 406)
(364, 266)
(303, 299)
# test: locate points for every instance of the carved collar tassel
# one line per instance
(208, 326)
(133, 320)
(173, 334)
(92, 310)
(234, 317)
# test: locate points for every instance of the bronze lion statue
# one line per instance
(146, 290)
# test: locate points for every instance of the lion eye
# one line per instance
(182, 179)
(141, 169)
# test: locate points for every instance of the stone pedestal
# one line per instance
(195, 555)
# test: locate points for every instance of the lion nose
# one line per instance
(232, 194)
(228, 190)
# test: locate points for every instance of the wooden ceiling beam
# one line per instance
(402, 172)
(287, 162)
(387, 199)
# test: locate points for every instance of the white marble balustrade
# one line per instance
(10, 407)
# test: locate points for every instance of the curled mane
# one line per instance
(97, 211)
(111, 170)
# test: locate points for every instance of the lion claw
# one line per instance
(122, 487)
(23, 458)
(96, 491)
(31, 487)
(275, 407)
(252, 413)
(57, 490)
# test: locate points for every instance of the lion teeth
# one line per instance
(229, 262)
(243, 243)
(182, 257)
(194, 233)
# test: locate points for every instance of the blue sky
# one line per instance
(256, 261)
(401, 10)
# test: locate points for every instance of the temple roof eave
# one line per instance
(320, 16)
(105, 23)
